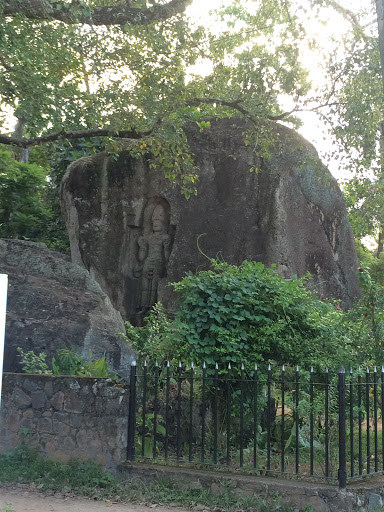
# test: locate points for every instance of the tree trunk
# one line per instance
(21, 154)
(380, 244)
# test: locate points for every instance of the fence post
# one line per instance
(342, 472)
(132, 414)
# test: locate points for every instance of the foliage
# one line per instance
(88, 479)
(33, 363)
(23, 213)
(354, 116)
(155, 75)
(358, 86)
(146, 77)
(26, 465)
(245, 314)
(368, 260)
(365, 203)
(66, 362)
(7, 508)
(159, 340)
(250, 313)
(148, 434)
(364, 323)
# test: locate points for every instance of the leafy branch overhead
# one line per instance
(81, 12)
(140, 69)
(23, 142)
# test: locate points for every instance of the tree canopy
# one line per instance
(101, 70)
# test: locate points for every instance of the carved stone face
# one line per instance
(159, 220)
(158, 226)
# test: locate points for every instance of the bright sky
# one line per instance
(313, 129)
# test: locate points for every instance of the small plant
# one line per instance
(33, 363)
(148, 433)
(66, 362)
(159, 340)
(7, 508)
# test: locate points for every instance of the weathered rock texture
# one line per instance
(53, 304)
(65, 416)
(135, 232)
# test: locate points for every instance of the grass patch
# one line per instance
(25, 465)
(7, 508)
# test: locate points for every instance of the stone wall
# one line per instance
(65, 416)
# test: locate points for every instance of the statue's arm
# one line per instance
(143, 248)
(167, 247)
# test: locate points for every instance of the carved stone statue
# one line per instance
(153, 254)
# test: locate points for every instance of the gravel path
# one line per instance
(25, 498)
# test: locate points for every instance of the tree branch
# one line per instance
(231, 104)
(236, 106)
(279, 117)
(22, 142)
(74, 12)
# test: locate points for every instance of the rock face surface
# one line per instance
(135, 233)
(54, 304)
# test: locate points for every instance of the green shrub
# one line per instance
(246, 314)
(160, 339)
(364, 322)
(252, 314)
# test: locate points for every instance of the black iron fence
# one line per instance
(268, 421)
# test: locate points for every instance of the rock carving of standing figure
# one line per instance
(153, 255)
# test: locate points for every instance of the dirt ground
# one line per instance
(24, 498)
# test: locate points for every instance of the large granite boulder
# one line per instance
(135, 232)
(53, 304)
